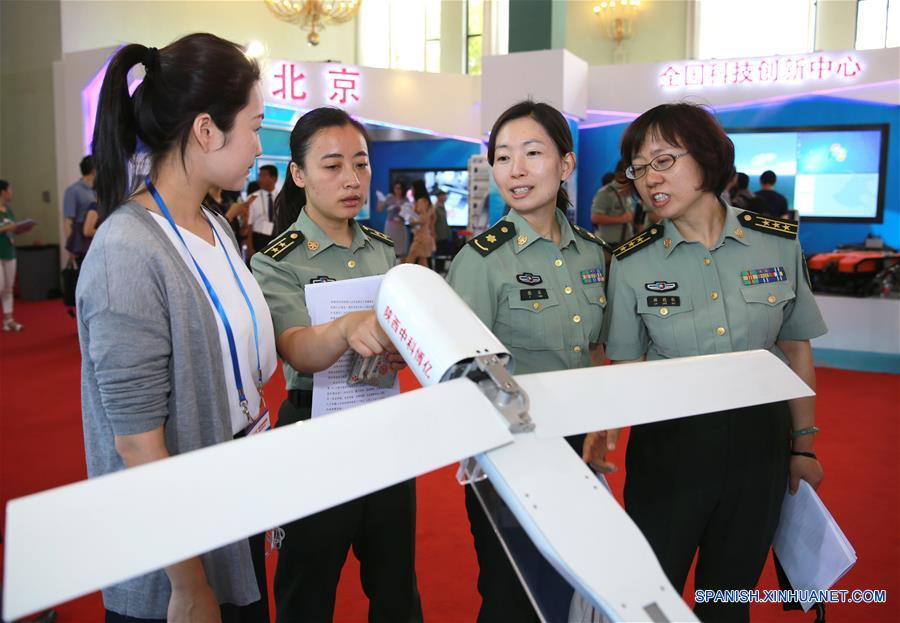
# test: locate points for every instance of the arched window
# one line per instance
(400, 34)
(745, 28)
(877, 24)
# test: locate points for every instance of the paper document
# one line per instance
(326, 302)
(812, 548)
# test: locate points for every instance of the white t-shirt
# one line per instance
(258, 217)
(215, 267)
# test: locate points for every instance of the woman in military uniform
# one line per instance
(710, 278)
(538, 283)
(330, 173)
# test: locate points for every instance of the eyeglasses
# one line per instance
(662, 162)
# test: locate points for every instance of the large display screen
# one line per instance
(455, 182)
(826, 173)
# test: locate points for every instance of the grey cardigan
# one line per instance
(151, 357)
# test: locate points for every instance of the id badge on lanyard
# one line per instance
(261, 422)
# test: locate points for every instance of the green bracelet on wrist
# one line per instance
(810, 430)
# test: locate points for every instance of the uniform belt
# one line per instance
(300, 397)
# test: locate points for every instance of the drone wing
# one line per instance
(72, 540)
(639, 393)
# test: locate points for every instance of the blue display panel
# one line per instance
(826, 173)
(455, 182)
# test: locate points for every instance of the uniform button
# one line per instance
(707, 261)
(577, 349)
(576, 318)
(720, 331)
(602, 300)
(664, 311)
(536, 306)
(714, 296)
(568, 290)
(351, 264)
(771, 298)
(557, 263)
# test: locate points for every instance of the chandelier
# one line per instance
(314, 15)
(617, 18)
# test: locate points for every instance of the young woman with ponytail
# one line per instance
(326, 186)
(537, 282)
(176, 338)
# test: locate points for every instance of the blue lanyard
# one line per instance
(217, 303)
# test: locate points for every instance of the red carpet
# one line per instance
(41, 447)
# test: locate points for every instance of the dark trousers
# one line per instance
(381, 529)
(257, 612)
(503, 599)
(713, 483)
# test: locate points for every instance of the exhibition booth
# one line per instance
(827, 123)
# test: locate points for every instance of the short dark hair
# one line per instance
(743, 181)
(607, 178)
(271, 169)
(551, 120)
(86, 166)
(292, 198)
(768, 177)
(252, 187)
(3, 185)
(692, 128)
(196, 74)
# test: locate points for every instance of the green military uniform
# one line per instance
(545, 303)
(609, 201)
(304, 254)
(380, 527)
(7, 240)
(716, 481)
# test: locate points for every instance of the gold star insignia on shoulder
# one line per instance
(493, 238)
(769, 225)
(312, 245)
(377, 235)
(739, 232)
(522, 240)
(589, 236)
(638, 242)
(281, 246)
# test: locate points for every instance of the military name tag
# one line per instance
(321, 279)
(763, 275)
(663, 301)
(593, 275)
(533, 294)
(661, 286)
(529, 279)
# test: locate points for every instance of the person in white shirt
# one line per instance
(262, 211)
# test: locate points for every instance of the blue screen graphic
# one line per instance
(832, 173)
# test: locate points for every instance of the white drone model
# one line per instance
(73, 540)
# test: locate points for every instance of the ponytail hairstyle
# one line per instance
(199, 73)
(292, 198)
(552, 121)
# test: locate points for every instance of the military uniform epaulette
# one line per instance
(581, 231)
(767, 224)
(492, 239)
(374, 233)
(638, 242)
(281, 247)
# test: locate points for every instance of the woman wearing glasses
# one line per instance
(710, 278)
